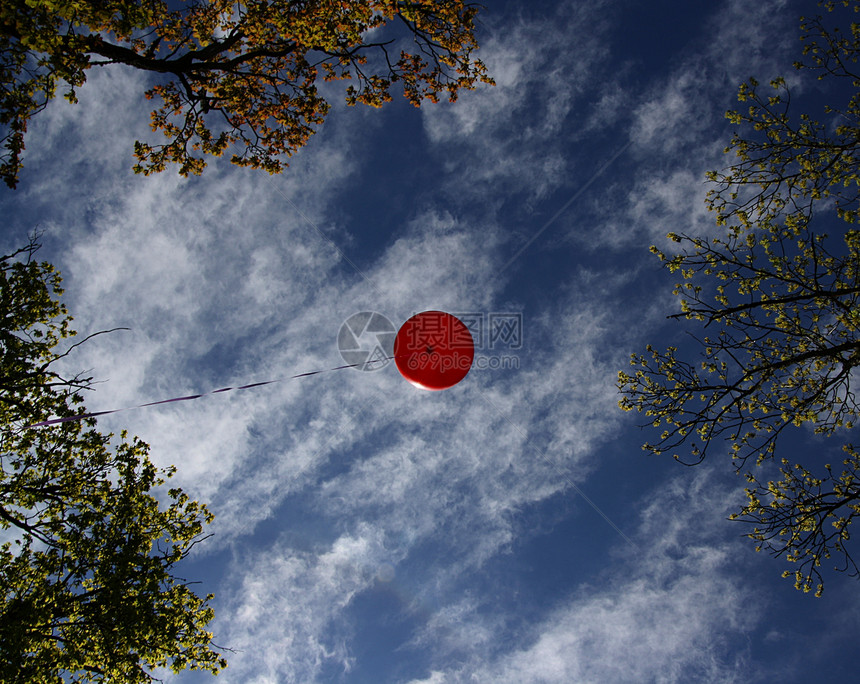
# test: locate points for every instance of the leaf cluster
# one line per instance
(806, 517)
(776, 301)
(87, 585)
(786, 163)
(233, 74)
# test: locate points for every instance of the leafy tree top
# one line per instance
(232, 74)
(88, 590)
(776, 301)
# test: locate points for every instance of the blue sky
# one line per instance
(367, 531)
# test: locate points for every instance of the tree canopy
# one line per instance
(776, 298)
(231, 74)
(87, 585)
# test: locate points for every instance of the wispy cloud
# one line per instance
(506, 140)
(666, 614)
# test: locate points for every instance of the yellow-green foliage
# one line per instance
(233, 74)
(777, 301)
(87, 585)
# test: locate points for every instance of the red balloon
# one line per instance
(434, 350)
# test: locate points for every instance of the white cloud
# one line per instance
(506, 139)
(436, 677)
(742, 37)
(281, 612)
(677, 115)
(674, 202)
(666, 614)
(677, 127)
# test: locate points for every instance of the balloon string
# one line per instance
(82, 416)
